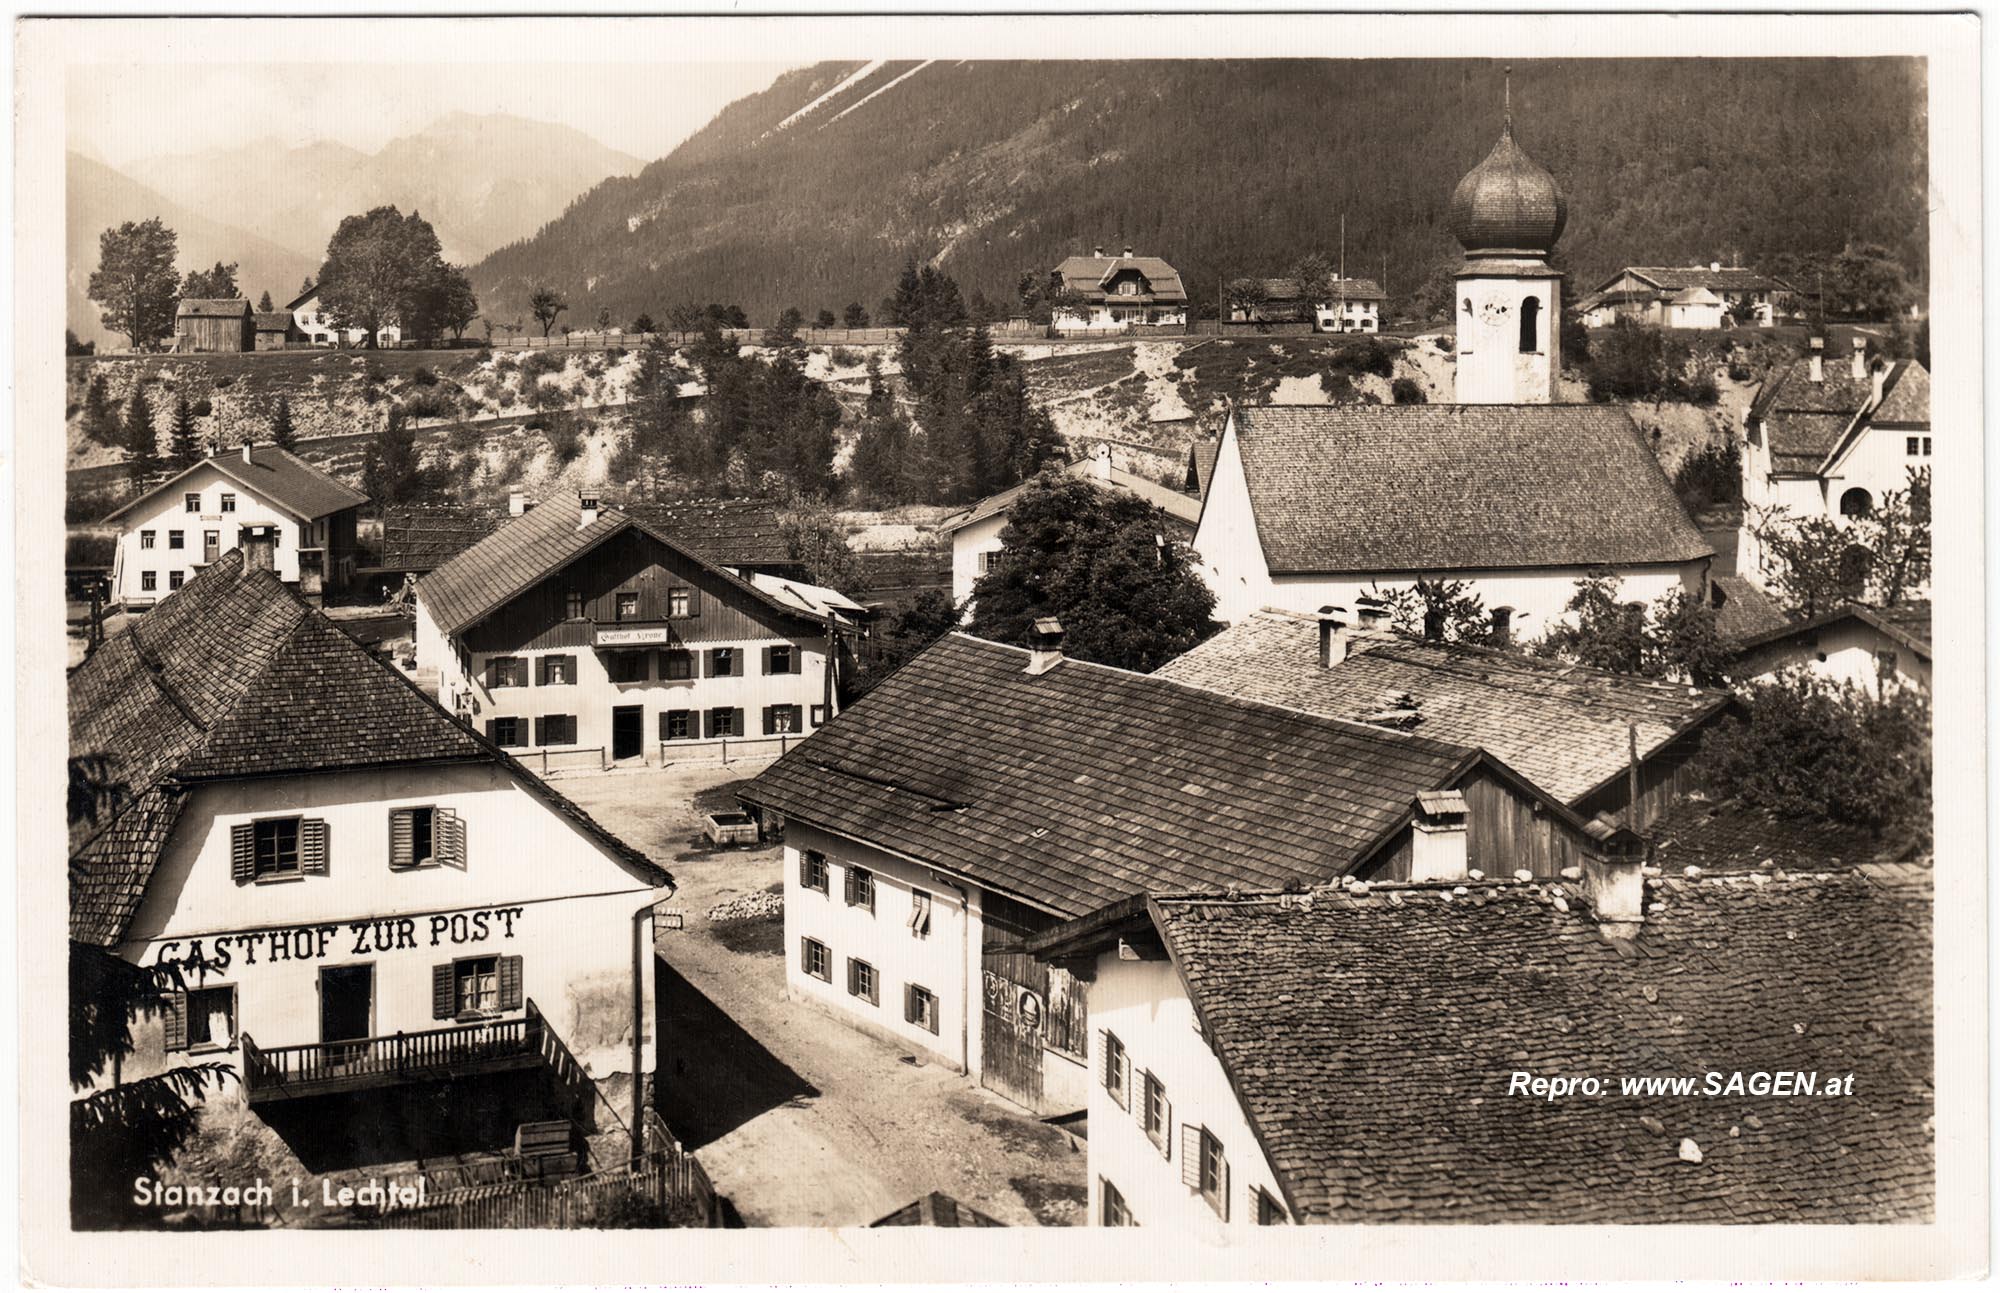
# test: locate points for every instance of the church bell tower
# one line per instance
(1507, 213)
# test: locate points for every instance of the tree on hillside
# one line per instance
(100, 419)
(217, 284)
(141, 441)
(855, 316)
(135, 281)
(644, 325)
(784, 335)
(442, 302)
(392, 467)
(1815, 564)
(264, 305)
(1311, 272)
(604, 318)
(283, 434)
(183, 451)
(815, 539)
(377, 264)
(825, 320)
(74, 347)
(547, 305)
(1102, 563)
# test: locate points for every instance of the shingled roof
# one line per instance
(1371, 1038)
(1909, 625)
(1728, 278)
(1350, 488)
(1345, 289)
(1807, 422)
(1728, 836)
(233, 677)
(738, 532)
(1562, 726)
(530, 548)
(1742, 609)
(275, 474)
(1088, 274)
(209, 307)
(1179, 507)
(1078, 786)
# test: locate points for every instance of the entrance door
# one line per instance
(628, 731)
(211, 546)
(346, 1010)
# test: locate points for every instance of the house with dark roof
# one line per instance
(365, 898)
(1317, 505)
(1872, 647)
(1457, 1052)
(1570, 729)
(172, 531)
(1686, 296)
(212, 325)
(589, 636)
(1829, 439)
(1337, 305)
(983, 793)
(975, 530)
(1117, 293)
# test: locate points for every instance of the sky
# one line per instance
(644, 109)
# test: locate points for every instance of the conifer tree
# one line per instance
(140, 440)
(283, 434)
(182, 452)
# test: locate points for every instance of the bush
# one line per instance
(847, 357)
(537, 362)
(1710, 476)
(225, 381)
(202, 407)
(424, 376)
(565, 439)
(1407, 391)
(429, 404)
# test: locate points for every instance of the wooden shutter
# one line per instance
(243, 852)
(1166, 1126)
(805, 869)
(770, 711)
(510, 983)
(492, 675)
(444, 992)
(852, 977)
(694, 602)
(492, 730)
(767, 666)
(798, 658)
(312, 846)
(174, 1019)
(402, 838)
(708, 723)
(909, 1003)
(1139, 1097)
(542, 728)
(448, 837)
(1103, 1059)
(847, 885)
(1191, 1157)
(736, 722)
(1222, 1189)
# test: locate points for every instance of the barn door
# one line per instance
(1011, 1052)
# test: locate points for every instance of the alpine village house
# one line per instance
(366, 900)
(1117, 293)
(581, 633)
(1309, 506)
(182, 525)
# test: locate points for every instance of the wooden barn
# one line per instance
(209, 325)
(274, 329)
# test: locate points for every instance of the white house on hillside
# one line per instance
(1118, 293)
(1686, 296)
(1339, 305)
(321, 331)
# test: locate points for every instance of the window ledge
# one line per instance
(290, 877)
(212, 1048)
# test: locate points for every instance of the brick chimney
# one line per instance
(1045, 645)
(1614, 872)
(1372, 614)
(517, 503)
(259, 544)
(1503, 624)
(1857, 363)
(1334, 635)
(1816, 360)
(1438, 837)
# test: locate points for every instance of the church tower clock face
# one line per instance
(1493, 312)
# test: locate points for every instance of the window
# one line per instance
(1531, 332)
(987, 560)
(1856, 502)
(175, 578)
(146, 536)
(725, 662)
(920, 1007)
(506, 671)
(920, 913)
(783, 718)
(677, 725)
(176, 539)
(1155, 1114)
(149, 581)
(819, 716)
(1117, 1071)
(629, 666)
(412, 837)
(1270, 1212)
(1927, 446)
(680, 603)
(861, 981)
(1115, 1211)
(676, 666)
(229, 502)
(572, 605)
(860, 888)
(277, 842)
(558, 670)
(1912, 445)
(211, 1018)
(725, 722)
(477, 985)
(781, 659)
(815, 960)
(628, 606)
(191, 502)
(812, 870)
(555, 729)
(1204, 1168)
(504, 731)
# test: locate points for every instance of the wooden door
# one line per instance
(346, 1006)
(628, 731)
(1011, 1046)
(211, 546)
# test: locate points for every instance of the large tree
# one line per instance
(218, 284)
(392, 466)
(1675, 637)
(1103, 563)
(377, 265)
(135, 281)
(443, 302)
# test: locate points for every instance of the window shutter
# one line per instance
(798, 658)
(1124, 1080)
(1222, 1192)
(1191, 1157)
(694, 602)
(767, 666)
(510, 983)
(909, 1003)
(708, 723)
(847, 885)
(1141, 1096)
(492, 675)
(736, 721)
(448, 842)
(312, 846)
(402, 838)
(174, 1018)
(1103, 1060)
(444, 1002)
(243, 852)
(770, 711)
(1166, 1127)
(805, 869)
(492, 728)
(852, 978)
(542, 727)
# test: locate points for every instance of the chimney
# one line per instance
(1614, 877)
(1714, 265)
(1437, 837)
(1128, 251)
(1876, 377)
(1098, 251)
(1857, 363)
(517, 503)
(259, 544)
(1334, 637)
(1372, 614)
(586, 513)
(1100, 461)
(1045, 645)
(1816, 361)
(246, 454)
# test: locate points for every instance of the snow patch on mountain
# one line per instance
(885, 89)
(866, 71)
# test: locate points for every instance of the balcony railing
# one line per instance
(364, 1063)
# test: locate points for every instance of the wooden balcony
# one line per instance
(372, 1063)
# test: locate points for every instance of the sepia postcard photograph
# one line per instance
(1346, 640)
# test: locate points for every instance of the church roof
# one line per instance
(1508, 203)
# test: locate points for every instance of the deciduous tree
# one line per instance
(547, 305)
(377, 266)
(217, 284)
(135, 281)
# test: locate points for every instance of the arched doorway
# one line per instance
(1856, 502)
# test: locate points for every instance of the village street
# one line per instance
(799, 1118)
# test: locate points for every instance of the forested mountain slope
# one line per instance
(813, 192)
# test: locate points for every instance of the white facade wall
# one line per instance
(946, 961)
(1349, 316)
(168, 513)
(1492, 367)
(1145, 1005)
(1844, 653)
(1695, 314)
(1879, 462)
(968, 544)
(320, 331)
(534, 886)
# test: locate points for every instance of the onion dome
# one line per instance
(1508, 203)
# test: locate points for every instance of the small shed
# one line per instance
(274, 329)
(212, 325)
